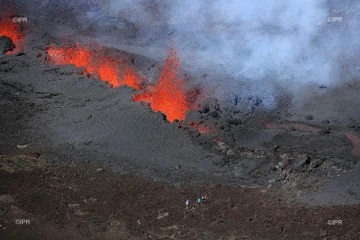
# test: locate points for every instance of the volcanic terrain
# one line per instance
(104, 141)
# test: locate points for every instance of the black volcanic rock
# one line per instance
(309, 117)
(300, 163)
(6, 44)
(325, 131)
(214, 114)
(234, 121)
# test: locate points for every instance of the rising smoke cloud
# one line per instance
(255, 46)
(262, 44)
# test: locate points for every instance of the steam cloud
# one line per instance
(256, 46)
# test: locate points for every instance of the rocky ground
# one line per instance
(82, 160)
(85, 201)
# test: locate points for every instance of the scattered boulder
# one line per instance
(73, 205)
(309, 117)
(119, 226)
(6, 199)
(6, 44)
(276, 148)
(255, 173)
(350, 191)
(81, 213)
(223, 162)
(325, 131)
(21, 146)
(299, 164)
(284, 163)
(222, 146)
(316, 163)
(162, 214)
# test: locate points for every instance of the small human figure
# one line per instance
(198, 201)
(187, 204)
(203, 199)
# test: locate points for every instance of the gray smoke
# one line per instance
(245, 47)
(257, 44)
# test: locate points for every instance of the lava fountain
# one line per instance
(168, 95)
(11, 29)
(95, 60)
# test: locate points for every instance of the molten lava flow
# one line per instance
(168, 95)
(77, 55)
(108, 71)
(11, 29)
(355, 141)
(203, 129)
(130, 79)
(95, 61)
(200, 127)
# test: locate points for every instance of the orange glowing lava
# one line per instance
(203, 129)
(130, 79)
(200, 128)
(169, 94)
(114, 72)
(77, 55)
(355, 141)
(11, 29)
(108, 71)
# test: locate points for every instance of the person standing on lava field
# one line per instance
(187, 204)
(198, 201)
